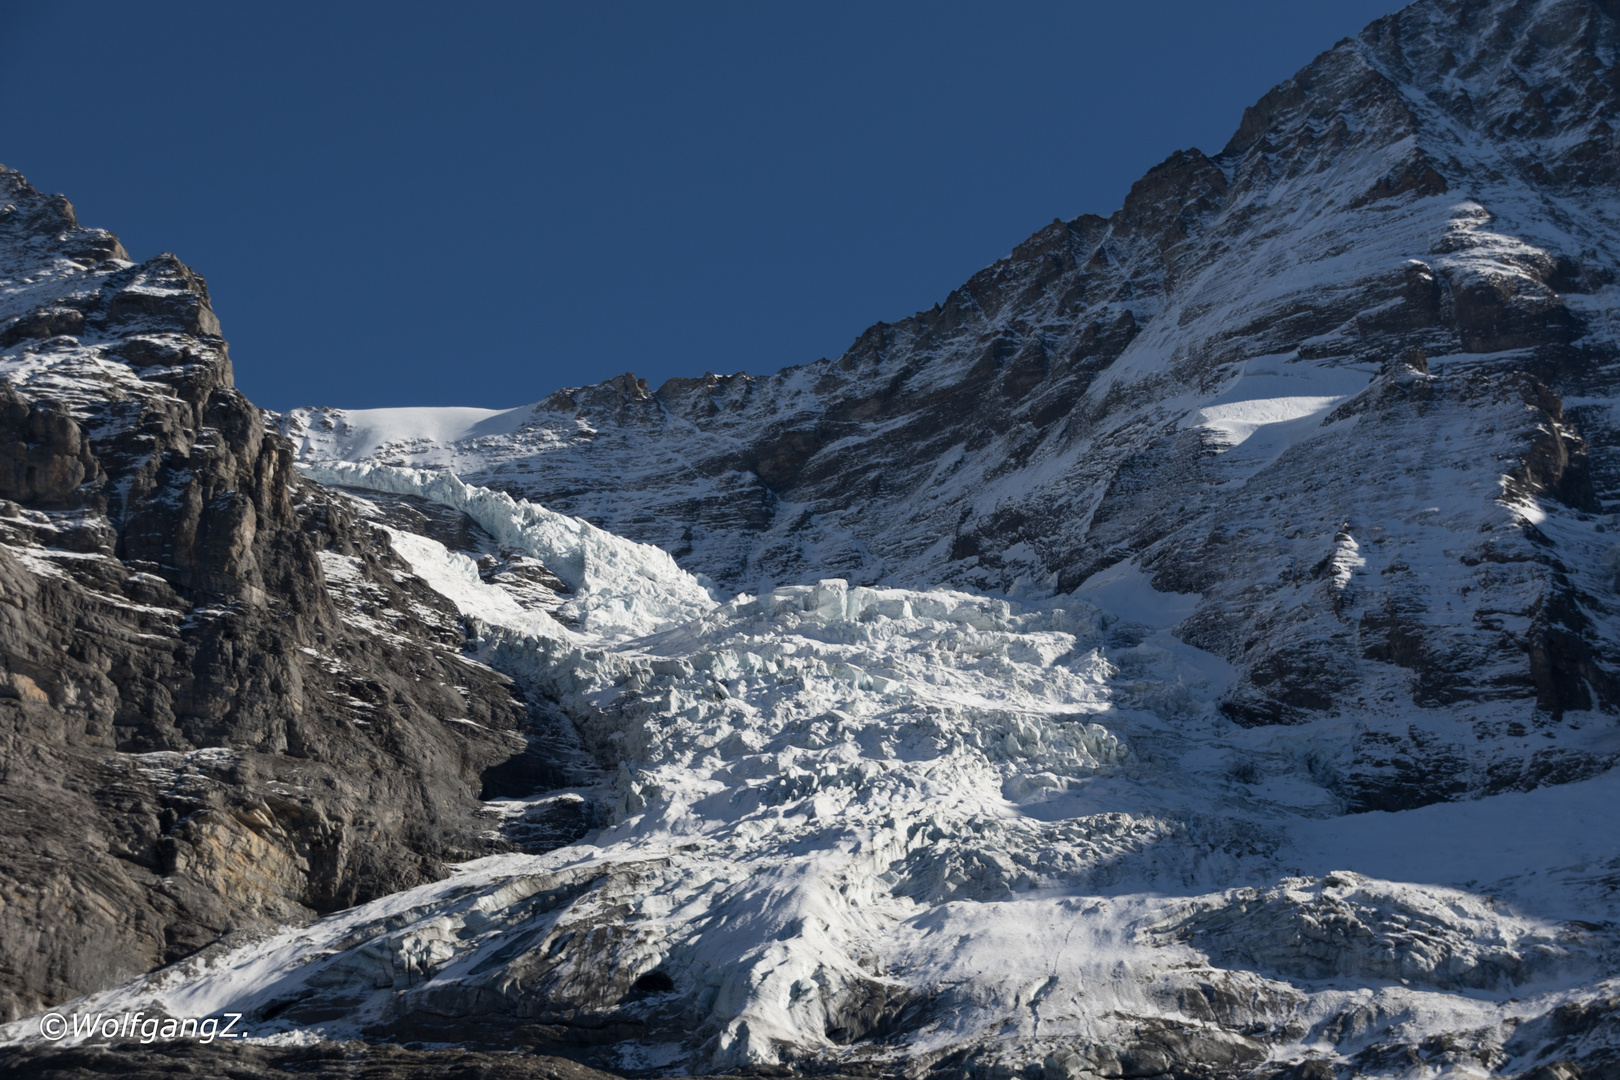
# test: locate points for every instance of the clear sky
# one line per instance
(407, 203)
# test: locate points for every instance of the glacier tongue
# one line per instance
(872, 824)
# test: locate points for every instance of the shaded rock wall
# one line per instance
(202, 732)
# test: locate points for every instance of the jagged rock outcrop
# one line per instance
(224, 702)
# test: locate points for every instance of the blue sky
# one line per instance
(476, 204)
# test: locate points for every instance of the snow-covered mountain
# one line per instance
(1319, 380)
(1189, 650)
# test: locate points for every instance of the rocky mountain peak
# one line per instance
(223, 702)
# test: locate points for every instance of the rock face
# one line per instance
(352, 1061)
(224, 702)
(1349, 381)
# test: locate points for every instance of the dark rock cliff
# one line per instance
(202, 729)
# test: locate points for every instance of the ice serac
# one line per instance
(1350, 382)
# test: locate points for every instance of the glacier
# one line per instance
(846, 826)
